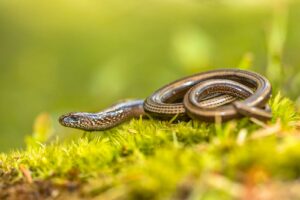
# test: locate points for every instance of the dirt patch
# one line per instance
(36, 190)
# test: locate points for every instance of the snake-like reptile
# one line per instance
(223, 94)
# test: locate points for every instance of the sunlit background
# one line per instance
(61, 55)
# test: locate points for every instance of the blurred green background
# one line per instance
(59, 56)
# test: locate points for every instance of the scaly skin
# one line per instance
(205, 96)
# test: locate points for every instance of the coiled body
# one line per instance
(224, 94)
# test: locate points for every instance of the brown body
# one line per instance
(224, 94)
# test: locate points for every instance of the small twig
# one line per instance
(131, 130)
(270, 130)
(258, 122)
(26, 173)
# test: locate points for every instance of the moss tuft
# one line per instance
(150, 159)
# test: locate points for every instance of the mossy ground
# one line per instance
(151, 159)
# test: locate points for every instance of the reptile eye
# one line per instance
(74, 118)
(71, 119)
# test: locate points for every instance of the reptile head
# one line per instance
(79, 120)
(105, 119)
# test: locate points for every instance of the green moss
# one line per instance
(150, 159)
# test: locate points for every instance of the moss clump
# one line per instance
(150, 159)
